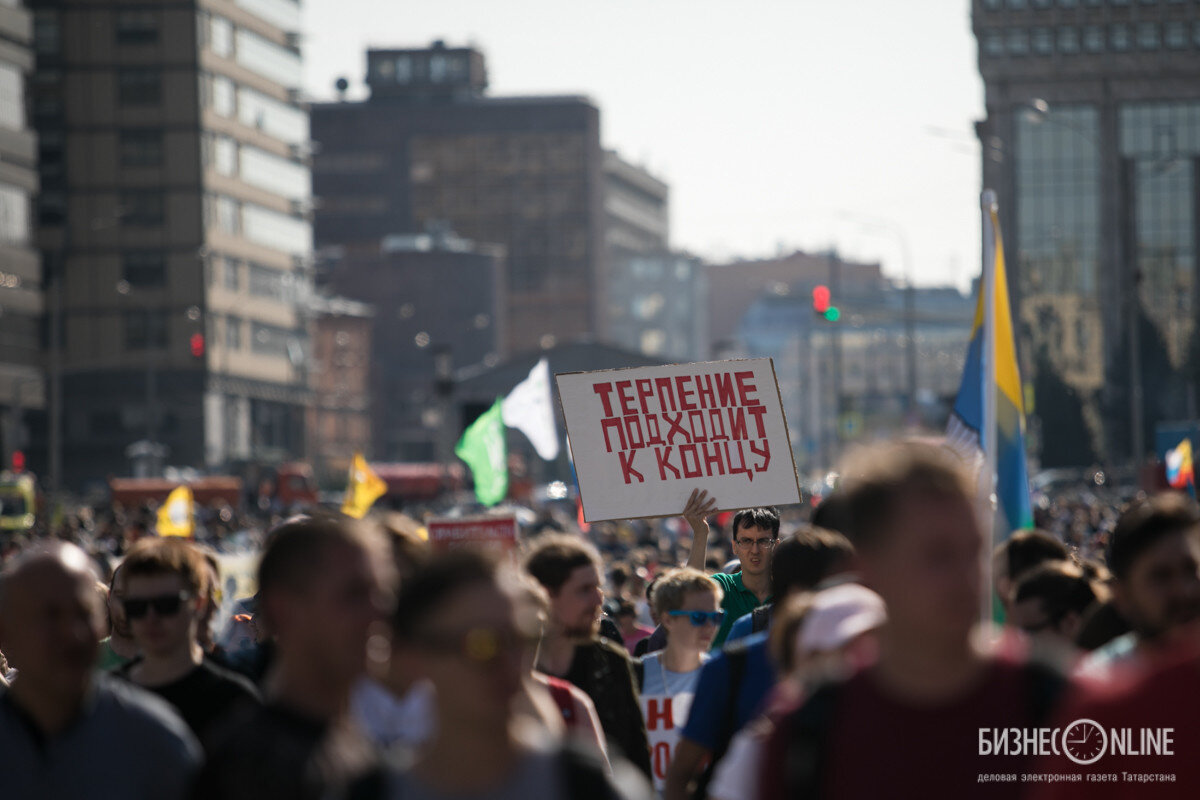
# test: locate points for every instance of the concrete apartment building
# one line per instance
(430, 147)
(174, 204)
(1091, 141)
(21, 384)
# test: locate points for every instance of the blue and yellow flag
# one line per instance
(967, 430)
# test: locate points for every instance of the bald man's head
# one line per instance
(50, 619)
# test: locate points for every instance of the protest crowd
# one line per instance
(832, 649)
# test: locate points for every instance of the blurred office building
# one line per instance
(437, 299)
(1092, 140)
(174, 217)
(430, 146)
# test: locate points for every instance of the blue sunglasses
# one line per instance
(700, 618)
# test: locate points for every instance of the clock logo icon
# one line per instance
(1084, 741)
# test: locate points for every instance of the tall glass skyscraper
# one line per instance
(1091, 140)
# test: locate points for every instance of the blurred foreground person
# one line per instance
(817, 636)
(569, 569)
(909, 725)
(65, 731)
(1154, 556)
(324, 584)
(165, 590)
(456, 623)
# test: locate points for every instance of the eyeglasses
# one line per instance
(700, 618)
(167, 605)
(750, 544)
(480, 645)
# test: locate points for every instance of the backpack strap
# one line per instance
(760, 618)
(584, 775)
(808, 731)
(1046, 685)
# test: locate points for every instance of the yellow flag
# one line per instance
(175, 515)
(364, 489)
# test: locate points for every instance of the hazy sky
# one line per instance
(777, 123)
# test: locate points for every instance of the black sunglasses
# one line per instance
(167, 605)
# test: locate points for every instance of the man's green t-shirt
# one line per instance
(738, 602)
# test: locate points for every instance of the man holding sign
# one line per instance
(755, 534)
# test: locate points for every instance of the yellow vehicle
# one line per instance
(18, 502)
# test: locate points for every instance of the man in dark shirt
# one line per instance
(64, 730)
(324, 583)
(569, 569)
(164, 586)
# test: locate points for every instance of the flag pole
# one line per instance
(987, 436)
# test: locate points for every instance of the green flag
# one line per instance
(482, 447)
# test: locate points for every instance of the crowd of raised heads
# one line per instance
(853, 649)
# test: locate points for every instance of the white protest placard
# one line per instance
(644, 438)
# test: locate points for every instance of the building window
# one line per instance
(1018, 42)
(1068, 40)
(233, 275)
(139, 87)
(1175, 35)
(993, 5)
(224, 214)
(269, 340)
(142, 208)
(267, 282)
(993, 43)
(1018, 5)
(1068, 3)
(1118, 37)
(233, 333)
(145, 268)
(1147, 36)
(221, 37)
(1196, 33)
(225, 155)
(137, 27)
(52, 208)
(46, 40)
(145, 329)
(14, 215)
(1043, 41)
(12, 97)
(140, 148)
(1093, 39)
(1042, 3)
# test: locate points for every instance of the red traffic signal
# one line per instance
(197, 345)
(18, 461)
(821, 299)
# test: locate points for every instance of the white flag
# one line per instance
(527, 408)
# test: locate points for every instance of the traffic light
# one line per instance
(18, 461)
(823, 305)
(197, 345)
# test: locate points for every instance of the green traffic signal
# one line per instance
(832, 314)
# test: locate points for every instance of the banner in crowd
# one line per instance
(489, 533)
(644, 438)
